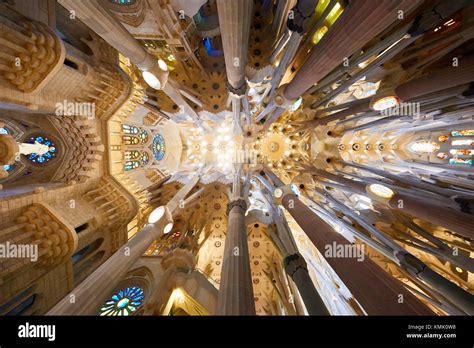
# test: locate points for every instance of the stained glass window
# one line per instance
(143, 136)
(158, 147)
(3, 130)
(7, 167)
(132, 154)
(130, 140)
(443, 138)
(127, 129)
(48, 156)
(462, 152)
(463, 133)
(129, 165)
(463, 142)
(461, 161)
(424, 147)
(145, 158)
(123, 303)
(123, 2)
(442, 155)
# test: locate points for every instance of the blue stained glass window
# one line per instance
(48, 156)
(3, 130)
(7, 167)
(158, 147)
(123, 2)
(463, 133)
(129, 165)
(123, 303)
(145, 158)
(460, 161)
(127, 129)
(143, 136)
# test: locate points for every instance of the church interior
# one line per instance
(236, 157)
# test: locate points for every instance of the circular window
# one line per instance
(48, 150)
(158, 147)
(123, 303)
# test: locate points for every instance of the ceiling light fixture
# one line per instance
(156, 215)
(381, 191)
(151, 80)
(386, 102)
(157, 76)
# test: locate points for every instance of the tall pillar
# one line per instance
(361, 21)
(86, 298)
(376, 290)
(101, 21)
(453, 220)
(372, 287)
(340, 115)
(234, 21)
(297, 25)
(236, 290)
(451, 76)
(94, 290)
(111, 30)
(296, 268)
(280, 17)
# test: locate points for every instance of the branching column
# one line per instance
(451, 219)
(236, 291)
(296, 267)
(86, 298)
(376, 290)
(100, 20)
(234, 22)
(360, 22)
(451, 76)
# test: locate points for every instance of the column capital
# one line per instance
(282, 191)
(280, 100)
(293, 263)
(238, 92)
(410, 263)
(240, 202)
(302, 13)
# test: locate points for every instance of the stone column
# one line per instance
(103, 22)
(296, 268)
(297, 25)
(349, 185)
(448, 77)
(340, 115)
(234, 21)
(280, 16)
(453, 220)
(111, 30)
(370, 285)
(236, 290)
(95, 289)
(360, 22)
